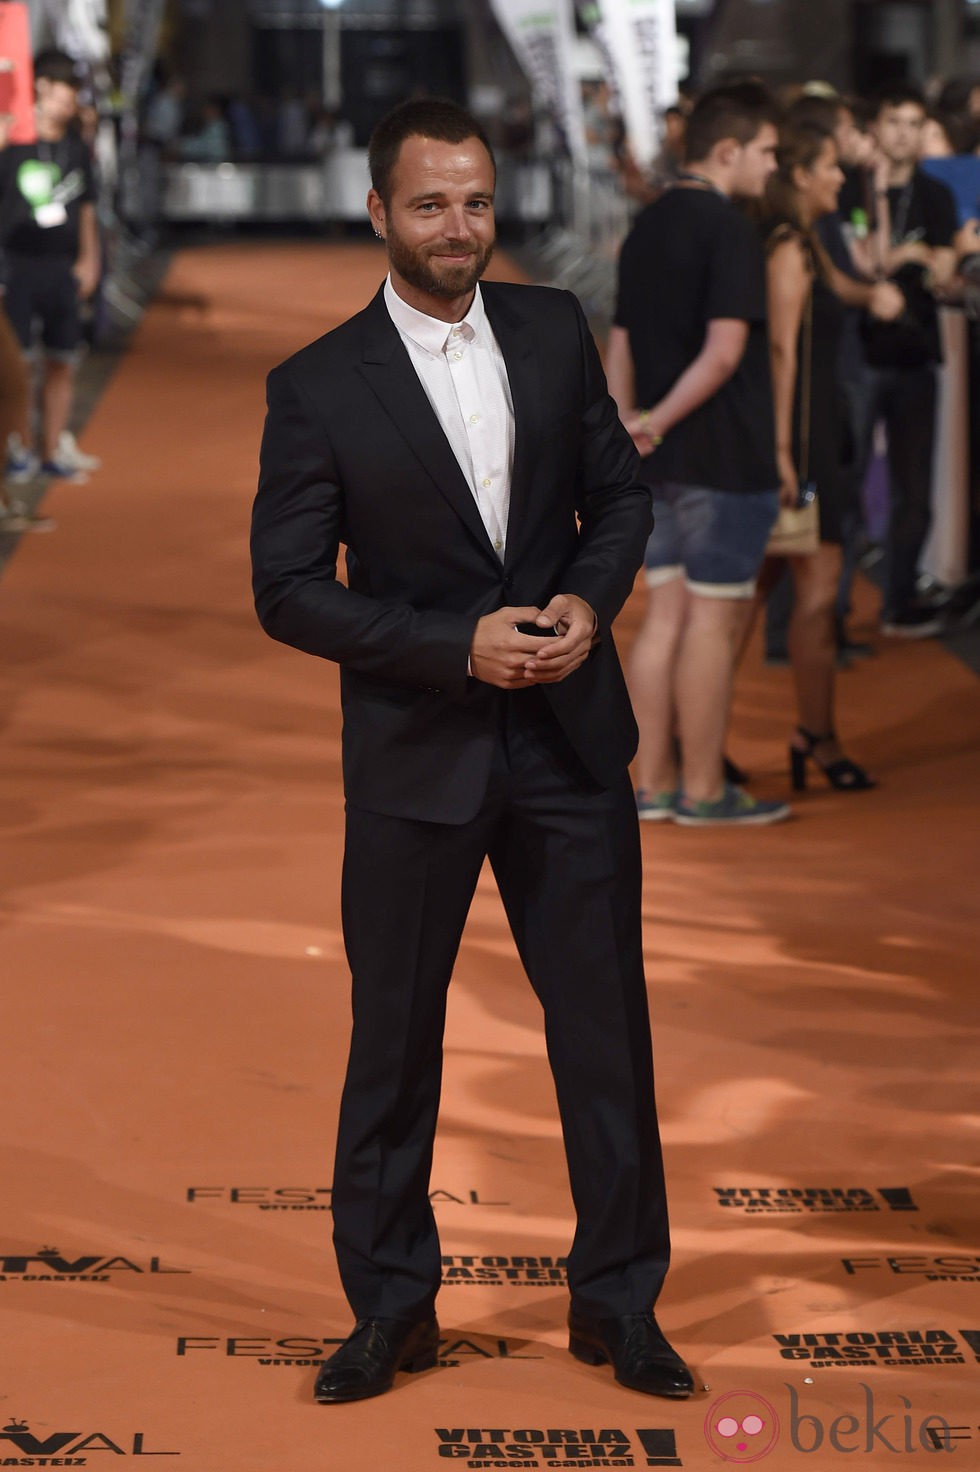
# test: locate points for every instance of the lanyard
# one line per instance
(687, 176)
(900, 217)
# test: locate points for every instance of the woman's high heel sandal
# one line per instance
(842, 774)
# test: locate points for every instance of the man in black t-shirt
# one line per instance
(690, 343)
(912, 224)
(49, 236)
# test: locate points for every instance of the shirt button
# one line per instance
(474, 418)
(497, 545)
(456, 332)
(486, 482)
(457, 356)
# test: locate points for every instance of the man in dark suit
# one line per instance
(460, 442)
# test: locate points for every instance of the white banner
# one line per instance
(542, 33)
(590, 14)
(79, 27)
(641, 39)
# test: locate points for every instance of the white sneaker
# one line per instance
(21, 464)
(16, 519)
(68, 453)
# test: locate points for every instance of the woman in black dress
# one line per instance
(807, 298)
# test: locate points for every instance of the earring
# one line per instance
(378, 235)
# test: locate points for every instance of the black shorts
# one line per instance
(43, 293)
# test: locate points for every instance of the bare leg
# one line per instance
(15, 386)
(812, 642)
(56, 397)
(703, 690)
(766, 581)
(651, 683)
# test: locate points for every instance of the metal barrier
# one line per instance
(579, 250)
(334, 190)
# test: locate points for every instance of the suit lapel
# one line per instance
(389, 371)
(515, 334)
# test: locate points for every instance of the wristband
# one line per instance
(657, 439)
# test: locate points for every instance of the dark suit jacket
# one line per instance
(353, 453)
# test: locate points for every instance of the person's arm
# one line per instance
(788, 286)
(936, 253)
(89, 264)
(622, 386)
(615, 520)
(723, 349)
(296, 532)
(721, 352)
(619, 371)
(882, 299)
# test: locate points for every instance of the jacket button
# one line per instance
(508, 581)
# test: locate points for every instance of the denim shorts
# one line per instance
(715, 540)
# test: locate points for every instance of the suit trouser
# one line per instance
(566, 857)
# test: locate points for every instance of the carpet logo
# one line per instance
(309, 1198)
(50, 1265)
(743, 1427)
(494, 1271)
(857, 1348)
(958, 1268)
(295, 1351)
(67, 1448)
(812, 1200)
(541, 1446)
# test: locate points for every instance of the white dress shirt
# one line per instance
(462, 371)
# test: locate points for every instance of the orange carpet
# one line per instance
(175, 1009)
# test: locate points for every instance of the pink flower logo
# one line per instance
(741, 1427)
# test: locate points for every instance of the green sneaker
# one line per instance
(733, 807)
(655, 807)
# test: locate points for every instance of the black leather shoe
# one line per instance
(637, 1350)
(366, 1363)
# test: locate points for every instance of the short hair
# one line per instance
(956, 93)
(898, 94)
(821, 110)
(424, 117)
(56, 66)
(738, 110)
(962, 132)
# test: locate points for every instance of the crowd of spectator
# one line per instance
(778, 303)
(777, 309)
(290, 127)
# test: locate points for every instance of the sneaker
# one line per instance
(913, 623)
(733, 807)
(655, 807)
(16, 519)
(21, 464)
(69, 454)
(64, 470)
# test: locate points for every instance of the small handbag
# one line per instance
(796, 531)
